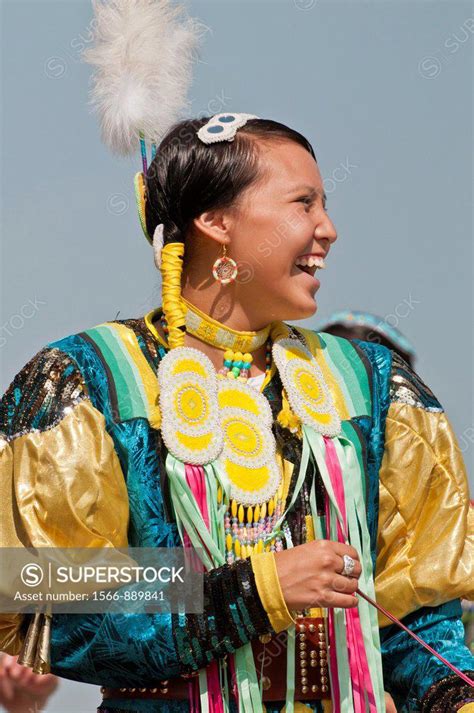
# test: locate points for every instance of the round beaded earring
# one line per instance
(224, 269)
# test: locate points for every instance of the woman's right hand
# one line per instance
(310, 575)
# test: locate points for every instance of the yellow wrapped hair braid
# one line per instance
(173, 307)
(171, 269)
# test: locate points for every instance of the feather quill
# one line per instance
(143, 55)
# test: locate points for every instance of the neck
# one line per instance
(216, 355)
(222, 308)
(205, 335)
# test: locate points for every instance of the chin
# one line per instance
(299, 311)
(309, 313)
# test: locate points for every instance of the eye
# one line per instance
(306, 200)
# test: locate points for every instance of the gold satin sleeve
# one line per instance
(425, 526)
(62, 487)
(269, 590)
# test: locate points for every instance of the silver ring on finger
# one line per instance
(349, 565)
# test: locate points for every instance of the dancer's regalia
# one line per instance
(114, 436)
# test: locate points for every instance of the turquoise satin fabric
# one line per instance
(373, 431)
(409, 670)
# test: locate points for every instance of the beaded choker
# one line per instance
(212, 332)
(236, 364)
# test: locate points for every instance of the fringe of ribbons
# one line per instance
(355, 664)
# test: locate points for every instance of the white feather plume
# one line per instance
(143, 55)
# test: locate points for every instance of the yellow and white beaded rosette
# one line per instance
(307, 392)
(188, 402)
(206, 419)
(249, 455)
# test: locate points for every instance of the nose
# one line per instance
(325, 229)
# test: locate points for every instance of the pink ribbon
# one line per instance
(459, 673)
(195, 477)
(358, 663)
(336, 694)
(355, 631)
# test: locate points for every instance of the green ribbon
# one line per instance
(342, 655)
(188, 516)
(203, 692)
(357, 524)
(360, 539)
(290, 650)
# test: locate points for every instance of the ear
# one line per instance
(214, 224)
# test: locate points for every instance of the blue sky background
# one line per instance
(383, 90)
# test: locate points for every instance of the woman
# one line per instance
(359, 482)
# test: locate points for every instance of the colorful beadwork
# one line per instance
(236, 365)
(203, 425)
(225, 270)
(246, 528)
(308, 394)
(188, 396)
(209, 330)
(249, 454)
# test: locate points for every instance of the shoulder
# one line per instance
(407, 387)
(390, 376)
(356, 377)
(349, 356)
(98, 346)
(60, 375)
(341, 348)
(39, 393)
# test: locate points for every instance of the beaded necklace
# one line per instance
(236, 365)
(210, 330)
(246, 527)
(245, 531)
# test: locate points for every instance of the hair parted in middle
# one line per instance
(188, 177)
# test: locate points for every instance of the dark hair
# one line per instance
(188, 177)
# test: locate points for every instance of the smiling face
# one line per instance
(277, 220)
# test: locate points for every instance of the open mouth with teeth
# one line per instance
(310, 264)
